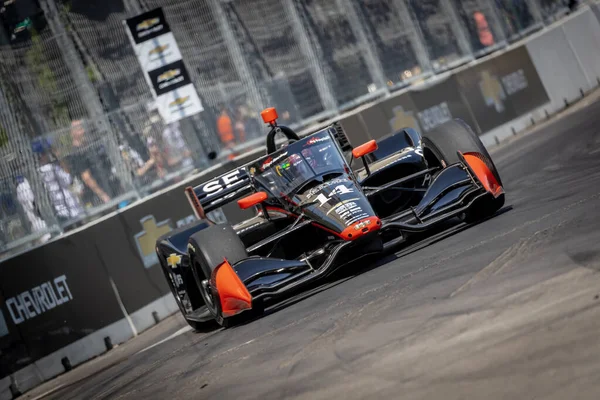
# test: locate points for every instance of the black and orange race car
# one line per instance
(315, 212)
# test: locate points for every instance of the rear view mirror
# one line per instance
(252, 200)
(364, 149)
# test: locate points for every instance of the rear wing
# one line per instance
(236, 183)
(219, 191)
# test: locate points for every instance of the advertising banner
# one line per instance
(52, 296)
(161, 60)
(440, 103)
(502, 89)
(423, 109)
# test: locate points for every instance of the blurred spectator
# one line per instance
(157, 159)
(173, 144)
(58, 183)
(12, 224)
(240, 127)
(178, 152)
(134, 161)
(225, 128)
(252, 127)
(26, 198)
(151, 170)
(89, 161)
(486, 38)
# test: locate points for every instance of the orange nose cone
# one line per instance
(361, 228)
(269, 115)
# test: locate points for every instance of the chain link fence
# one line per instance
(80, 135)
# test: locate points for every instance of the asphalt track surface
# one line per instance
(505, 309)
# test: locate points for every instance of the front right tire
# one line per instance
(443, 143)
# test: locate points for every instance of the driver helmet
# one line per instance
(318, 156)
(297, 163)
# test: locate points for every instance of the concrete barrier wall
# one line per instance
(66, 298)
(558, 67)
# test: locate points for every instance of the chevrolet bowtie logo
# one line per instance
(165, 76)
(146, 239)
(174, 260)
(492, 91)
(158, 50)
(403, 119)
(179, 101)
(149, 23)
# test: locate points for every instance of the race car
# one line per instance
(317, 204)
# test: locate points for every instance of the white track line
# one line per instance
(173, 336)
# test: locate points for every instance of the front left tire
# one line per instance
(208, 248)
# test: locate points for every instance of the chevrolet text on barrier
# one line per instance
(39, 299)
(315, 213)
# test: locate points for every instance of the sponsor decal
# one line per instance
(147, 24)
(270, 161)
(345, 206)
(158, 50)
(325, 148)
(495, 91)
(403, 119)
(168, 75)
(435, 116)
(39, 300)
(159, 56)
(146, 239)
(338, 190)
(224, 182)
(350, 211)
(492, 91)
(178, 282)
(179, 102)
(317, 189)
(250, 227)
(514, 82)
(361, 225)
(317, 139)
(410, 153)
(186, 221)
(3, 327)
(174, 260)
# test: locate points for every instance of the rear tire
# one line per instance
(445, 141)
(208, 249)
